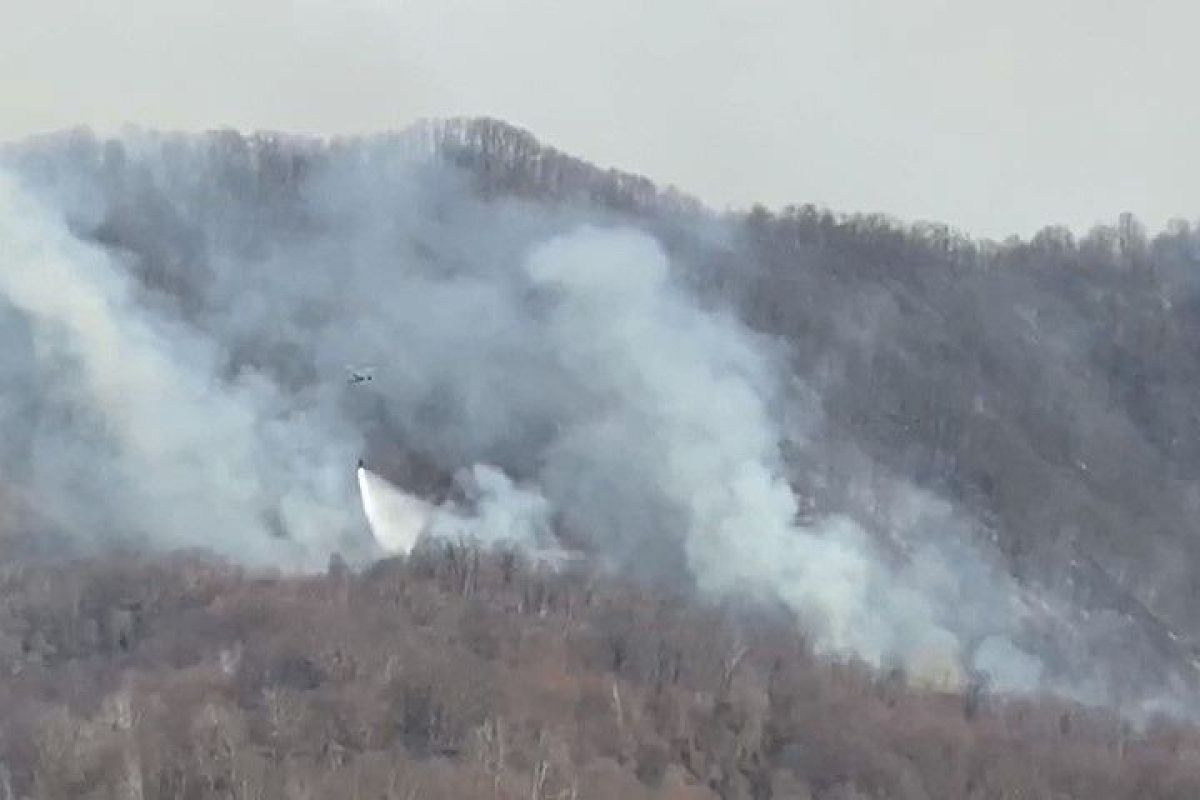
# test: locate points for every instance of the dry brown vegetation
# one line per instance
(457, 674)
(1044, 387)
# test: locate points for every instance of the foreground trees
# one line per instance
(408, 682)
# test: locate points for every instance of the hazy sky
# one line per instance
(997, 117)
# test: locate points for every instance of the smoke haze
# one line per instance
(175, 375)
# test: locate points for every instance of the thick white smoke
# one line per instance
(137, 436)
(499, 514)
(681, 429)
(673, 439)
(186, 386)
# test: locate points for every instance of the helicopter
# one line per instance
(359, 375)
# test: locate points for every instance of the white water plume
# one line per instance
(396, 518)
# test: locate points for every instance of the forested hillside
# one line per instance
(865, 508)
(463, 675)
(1046, 385)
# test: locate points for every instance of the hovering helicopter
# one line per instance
(359, 375)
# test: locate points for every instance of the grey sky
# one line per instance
(996, 117)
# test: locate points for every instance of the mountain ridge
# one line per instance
(967, 396)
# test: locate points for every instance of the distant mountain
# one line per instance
(1044, 391)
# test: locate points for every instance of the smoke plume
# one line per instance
(177, 336)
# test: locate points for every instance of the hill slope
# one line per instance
(460, 675)
(960, 458)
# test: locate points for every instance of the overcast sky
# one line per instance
(997, 117)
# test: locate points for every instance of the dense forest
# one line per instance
(460, 674)
(1010, 426)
